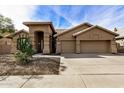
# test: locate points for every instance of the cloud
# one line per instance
(106, 16)
(47, 13)
(66, 16)
(71, 13)
(18, 14)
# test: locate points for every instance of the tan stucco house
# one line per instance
(83, 38)
(86, 38)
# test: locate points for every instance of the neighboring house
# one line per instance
(5, 44)
(120, 39)
(84, 38)
(14, 37)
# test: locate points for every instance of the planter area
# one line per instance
(37, 66)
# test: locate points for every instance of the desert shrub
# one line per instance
(22, 58)
(25, 50)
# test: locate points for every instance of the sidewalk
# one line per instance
(102, 72)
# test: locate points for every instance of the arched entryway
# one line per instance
(39, 41)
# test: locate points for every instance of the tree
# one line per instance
(6, 25)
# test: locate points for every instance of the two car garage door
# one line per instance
(86, 46)
(95, 46)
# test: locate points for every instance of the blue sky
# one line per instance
(67, 16)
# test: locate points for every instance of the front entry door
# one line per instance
(39, 42)
(39, 47)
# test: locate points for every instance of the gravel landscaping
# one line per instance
(37, 66)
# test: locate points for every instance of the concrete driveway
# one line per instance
(93, 64)
(96, 70)
(77, 71)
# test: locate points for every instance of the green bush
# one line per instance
(25, 50)
(22, 58)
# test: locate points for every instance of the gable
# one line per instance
(21, 32)
(68, 35)
(17, 35)
(75, 27)
(96, 34)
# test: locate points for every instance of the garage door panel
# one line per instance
(95, 46)
(68, 46)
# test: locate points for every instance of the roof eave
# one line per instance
(35, 23)
(87, 29)
(94, 27)
(40, 23)
(74, 28)
(118, 38)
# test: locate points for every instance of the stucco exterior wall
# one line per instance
(98, 34)
(47, 33)
(5, 46)
(14, 41)
(68, 35)
(113, 46)
(95, 34)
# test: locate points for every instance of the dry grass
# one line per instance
(42, 66)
